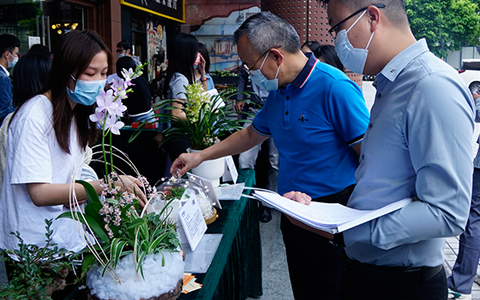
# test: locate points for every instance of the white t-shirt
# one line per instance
(176, 86)
(34, 156)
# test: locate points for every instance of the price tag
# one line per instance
(192, 221)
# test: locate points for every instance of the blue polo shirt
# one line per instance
(314, 121)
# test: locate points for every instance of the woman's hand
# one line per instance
(201, 68)
(134, 186)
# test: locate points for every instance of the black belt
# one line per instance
(340, 197)
(392, 274)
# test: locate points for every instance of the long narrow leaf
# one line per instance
(91, 193)
(91, 222)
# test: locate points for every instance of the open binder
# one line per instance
(329, 217)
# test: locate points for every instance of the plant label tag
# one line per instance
(192, 221)
(231, 173)
(208, 187)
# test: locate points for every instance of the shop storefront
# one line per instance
(149, 25)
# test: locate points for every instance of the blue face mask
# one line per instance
(86, 92)
(259, 79)
(121, 55)
(352, 58)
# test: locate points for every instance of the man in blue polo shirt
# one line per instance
(317, 118)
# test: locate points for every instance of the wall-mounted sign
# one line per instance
(170, 9)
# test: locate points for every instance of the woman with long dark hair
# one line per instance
(29, 76)
(47, 138)
(180, 73)
(181, 69)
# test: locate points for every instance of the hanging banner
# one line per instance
(170, 9)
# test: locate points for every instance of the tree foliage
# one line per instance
(456, 22)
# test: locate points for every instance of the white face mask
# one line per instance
(352, 58)
(259, 79)
(12, 63)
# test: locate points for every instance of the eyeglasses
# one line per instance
(333, 31)
(247, 69)
(120, 50)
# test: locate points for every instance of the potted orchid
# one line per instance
(207, 119)
(131, 252)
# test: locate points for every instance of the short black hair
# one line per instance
(40, 49)
(125, 62)
(124, 44)
(329, 55)
(8, 42)
(394, 9)
(312, 45)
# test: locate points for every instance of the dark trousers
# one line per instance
(368, 282)
(464, 271)
(314, 265)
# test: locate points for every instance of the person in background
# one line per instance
(139, 102)
(30, 74)
(9, 46)
(248, 158)
(464, 271)
(180, 73)
(47, 137)
(40, 49)
(413, 148)
(327, 54)
(124, 48)
(317, 118)
(204, 53)
(310, 46)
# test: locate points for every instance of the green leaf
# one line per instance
(91, 193)
(87, 262)
(156, 242)
(92, 210)
(97, 229)
(136, 223)
(116, 250)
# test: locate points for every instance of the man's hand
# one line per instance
(185, 162)
(298, 197)
(239, 106)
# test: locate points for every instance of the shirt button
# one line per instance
(288, 97)
(370, 125)
(363, 156)
(379, 95)
(286, 113)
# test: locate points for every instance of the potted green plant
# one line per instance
(37, 271)
(133, 253)
(208, 118)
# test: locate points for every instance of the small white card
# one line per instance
(230, 192)
(231, 173)
(206, 184)
(193, 223)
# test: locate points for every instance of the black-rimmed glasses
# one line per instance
(333, 31)
(247, 69)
